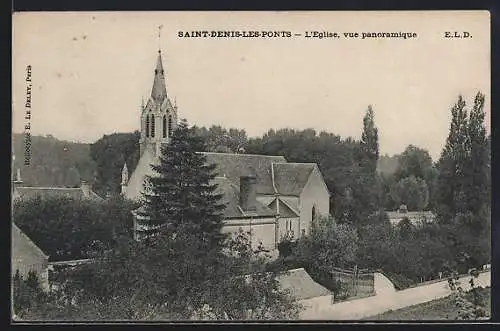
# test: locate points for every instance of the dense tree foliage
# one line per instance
(181, 195)
(219, 139)
(53, 162)
(186, 269)
(348, 166)
(412, 192)
(110, 154)
(414, 161)
(66, 228)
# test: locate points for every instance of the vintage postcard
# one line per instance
(194, 166)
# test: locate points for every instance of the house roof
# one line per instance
(290, 178)
(76, 193)
(22, 245)
(292, 203)
(230, 197)
(301, 285)
(411, 214)
(232, 166)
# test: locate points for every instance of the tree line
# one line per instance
(185, 221)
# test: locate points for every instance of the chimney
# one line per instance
(248, 198)
(85, 186)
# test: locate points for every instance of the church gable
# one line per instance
(291, 178)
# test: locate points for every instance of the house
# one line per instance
(27, 256)
(272, 197)
(415, 217)
(25, 192)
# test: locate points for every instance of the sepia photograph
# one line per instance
(250, 166)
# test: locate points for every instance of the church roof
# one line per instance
(231, 196)
(159, 90)
(290, 178)
(232, 166)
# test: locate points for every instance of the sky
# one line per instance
(90, 70)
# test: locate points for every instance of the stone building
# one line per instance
(267, 194)
(415, 217)
(27, 256)
(19, 191)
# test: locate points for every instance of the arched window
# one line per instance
(164, 126)
(313, 216)
(147, 125)
(152, 126)
(170, 125)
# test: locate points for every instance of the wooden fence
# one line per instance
(357, 282)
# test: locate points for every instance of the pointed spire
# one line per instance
(159, 90)
(142, 103)
(125, 174)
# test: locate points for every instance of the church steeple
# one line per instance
(159, 90)
(158, 114)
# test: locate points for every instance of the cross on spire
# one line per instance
(159, 37)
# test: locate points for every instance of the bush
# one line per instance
(286, 247)
(27, 293)
(400, 281)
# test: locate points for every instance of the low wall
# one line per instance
(387, 298)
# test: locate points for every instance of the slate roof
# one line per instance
(159, 90)
(290, 178)
(411, 215)
(76, 193)
(292, 203)
(301, 285)
(231, 197)
(232, 166)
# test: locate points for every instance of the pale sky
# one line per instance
(90, 71)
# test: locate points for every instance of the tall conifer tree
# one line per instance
(369, 140)
(180, 200)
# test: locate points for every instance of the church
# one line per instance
(266, 195)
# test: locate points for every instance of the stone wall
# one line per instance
(387, 298)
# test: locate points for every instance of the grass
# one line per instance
(440, 309)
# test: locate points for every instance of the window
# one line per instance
(170, 125)
(164, 126)
(152, 126)
(147, 125)
(314, 217)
